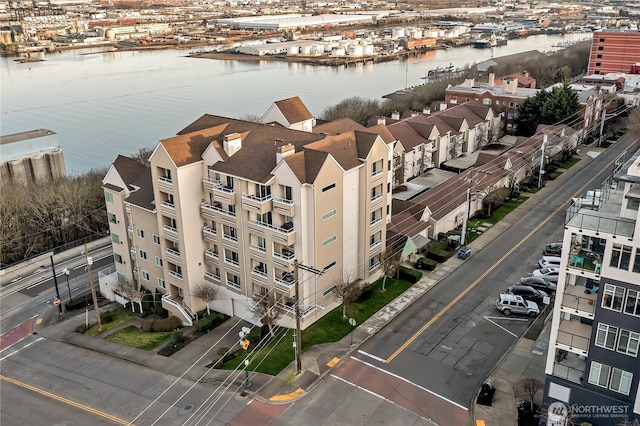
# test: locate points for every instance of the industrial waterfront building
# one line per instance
(33, 157)
(592, 365)
(614, 51)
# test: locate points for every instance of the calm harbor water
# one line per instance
(105, 104)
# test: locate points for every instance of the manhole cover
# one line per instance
(186, 409)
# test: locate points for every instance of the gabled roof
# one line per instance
(343, 148)
(306, 164)
(128, 169)
(383, 131)
(144, 196)
(294, 110)
(336, 127)
(406, 218)
(187, 148)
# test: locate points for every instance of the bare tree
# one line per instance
(206, 293)
(527, 389)
(265, 309)
(390, 261)
(634, 120)
(254, 118)
(345, 291)
(129, 291)
(142, 156)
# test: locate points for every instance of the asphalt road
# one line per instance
(449, 341)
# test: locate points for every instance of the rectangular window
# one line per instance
(161, 283)
(598, 56)
(115, 238)
(159, 261)
(377, 168)
(598, 64)
(117, 258)
(328, 187)
(329, 266)
(145, 275)
(628, 342)
(599, 374)
(600, 47)
(620, 257)
(621, 381)
(612, 297)
(328, 214)
(108, 197)
(601, 40)
(632, 303)
(140, 232)
(112, 218)
(143, 254)
(606, 336)
(156, 239)
(633, 205)
(328, 241)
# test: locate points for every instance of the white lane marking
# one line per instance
(24, 347)
(501, 327)
(378, 395)
(371, 356)
(411, 383)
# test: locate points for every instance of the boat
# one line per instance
(493, 41)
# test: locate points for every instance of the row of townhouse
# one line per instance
(240, 205)
(421, 218)
(440, 133)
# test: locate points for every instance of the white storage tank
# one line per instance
(397, 32)
(306, 49)
(355, 50)
(441, 33)
(337, 51)
(319, 49)
(294, 50)
(431, 34)
(369, 50)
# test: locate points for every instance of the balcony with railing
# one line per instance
(376, 221)
(231, 261)
(211, 256)
(233, 284)
(229, 237)
(175, 274)
(376, 197)
(172, 255)
(284, 254)
(211, 277)
(130, 231)
(168, 208)
(578, 300)
(284, 207)
(574, 336)
(257, 203)
(260, 274)
(221, 192)
(585, 260)
(260, 251)
(286, 284)
(209, 234)
(285, 234)
(374, 266)
(585, 219)
(215, 211)
(165, 183)
(375, 245)
(171, 233)
(569, 366)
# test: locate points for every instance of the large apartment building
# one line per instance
(614, 51)
(238, 205)
(592, 367)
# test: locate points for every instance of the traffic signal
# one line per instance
(245, 345)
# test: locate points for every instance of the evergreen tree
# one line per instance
(557, 106)
(529, 113)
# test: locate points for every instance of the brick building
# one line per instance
(614, 51)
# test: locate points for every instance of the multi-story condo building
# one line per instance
(593, 369)
(614, 51)
(241, 205)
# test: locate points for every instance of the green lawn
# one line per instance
(93, 331)
(136, 338)
(330, 328)
(496, 216)
(570, 162)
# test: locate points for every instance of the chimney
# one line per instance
(509, 85)
(284, 151)
(443, 106)
(492, 80)
(414, 113)
(395, 115)
(232, 143)
(382, 120)
(426, 110)
(525, 73)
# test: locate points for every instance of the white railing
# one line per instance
(165, 179)
(211, 253)
(168, 205)
(212, 276)
(272, 227)
(170, 229)
(374, 245)
(231, 261)
(173, 252)
(284, 283)
(208, 206)
(229, 237)
(259, 272)
(258, 248)
(189, 310)
(374, 266)
(376, 197)
(283, 201)
(209, 231)
(376, 220)
(289, 255)
(175, 274)
(257, 198)
(169, 301)
(233, 285)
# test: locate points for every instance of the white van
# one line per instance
(549, 261)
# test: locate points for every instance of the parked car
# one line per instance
(510, 303)
(549, 273)
(549, 261)
(553, 249)
(539, 283)
(464, 253)
(529, 293)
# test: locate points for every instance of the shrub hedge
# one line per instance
(210, 322)
(428, 264)
(167, 324)
(410, 275)
(438, 254)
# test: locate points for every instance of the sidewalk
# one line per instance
(525, 359)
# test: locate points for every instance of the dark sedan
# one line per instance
(553, 249)
(539, 283)
(529, 293)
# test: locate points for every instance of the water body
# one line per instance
(105, 104)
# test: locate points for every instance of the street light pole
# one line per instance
(542, 155)
(465, 219)
(66, 273)
(93, 291)
(55, 284)
(297, 344)
(246, 373)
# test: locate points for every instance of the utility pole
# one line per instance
(542, 155)
(465, 219)
(298, 341)
(93, 288)
(55, 284)
(604, 113)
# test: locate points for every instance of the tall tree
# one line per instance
(206, 293)
(345, 291)
(265, 309)
(557, 106)
(390, 261)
